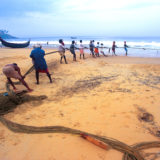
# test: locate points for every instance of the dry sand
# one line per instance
(99, 96)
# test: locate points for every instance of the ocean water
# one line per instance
(138, 46)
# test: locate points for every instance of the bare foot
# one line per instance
(30, 90)
(15, 89)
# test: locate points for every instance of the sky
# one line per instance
(113, 18)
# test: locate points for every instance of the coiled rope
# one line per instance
(130, 152)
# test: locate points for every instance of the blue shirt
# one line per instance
(37, 55)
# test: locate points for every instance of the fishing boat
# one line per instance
(14, 45)
(73, 37)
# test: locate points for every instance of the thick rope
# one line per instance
(130, 152)
(29, 71)
(15, 127)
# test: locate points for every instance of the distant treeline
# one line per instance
(4, 34)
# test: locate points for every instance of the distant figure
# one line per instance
(93, 43)
(113, 48)
(109, 49)
(61, 50)
(72, 50)
(37, 55)
(81, 47)
(125, 48)
(101, 50)
(47, 42)
(13, 71)
(96, 50)
(91, 46)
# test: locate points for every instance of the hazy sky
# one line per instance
(80, 17)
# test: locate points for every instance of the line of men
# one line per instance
(40, 65)
(95, 50)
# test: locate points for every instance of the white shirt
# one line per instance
(61, 48)
(101, 48)
(81, 46)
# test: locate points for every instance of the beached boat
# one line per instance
(14, 45)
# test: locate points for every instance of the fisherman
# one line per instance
(91, 46)
(81, 47)
(101, 50)
(72, 50)
(37, 55)
(125, 48)
(96, 50)
(113, 48)
(61, 50)
(13, 71)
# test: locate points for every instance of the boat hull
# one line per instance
(14, 45)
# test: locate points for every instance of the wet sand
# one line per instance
(103, 96)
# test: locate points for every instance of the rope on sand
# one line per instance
(130, 152)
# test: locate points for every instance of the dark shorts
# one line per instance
(73, 52)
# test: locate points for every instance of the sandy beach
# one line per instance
(104, 96)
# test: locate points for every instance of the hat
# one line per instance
(37, 45)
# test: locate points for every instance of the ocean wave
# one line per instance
(53, 42)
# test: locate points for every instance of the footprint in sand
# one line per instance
(50, 136)
(101, 156)
(14, 140)
(83, 156)
(113, 115)
(128, 116)
(77, 124)
(2, 137)
(64, 137)
(126, 126)
(102, 63)
(51, 158)
(95, 108)
(98, 133)
(61, 114)
(29, 117)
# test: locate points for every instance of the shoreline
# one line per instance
(87, 51)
